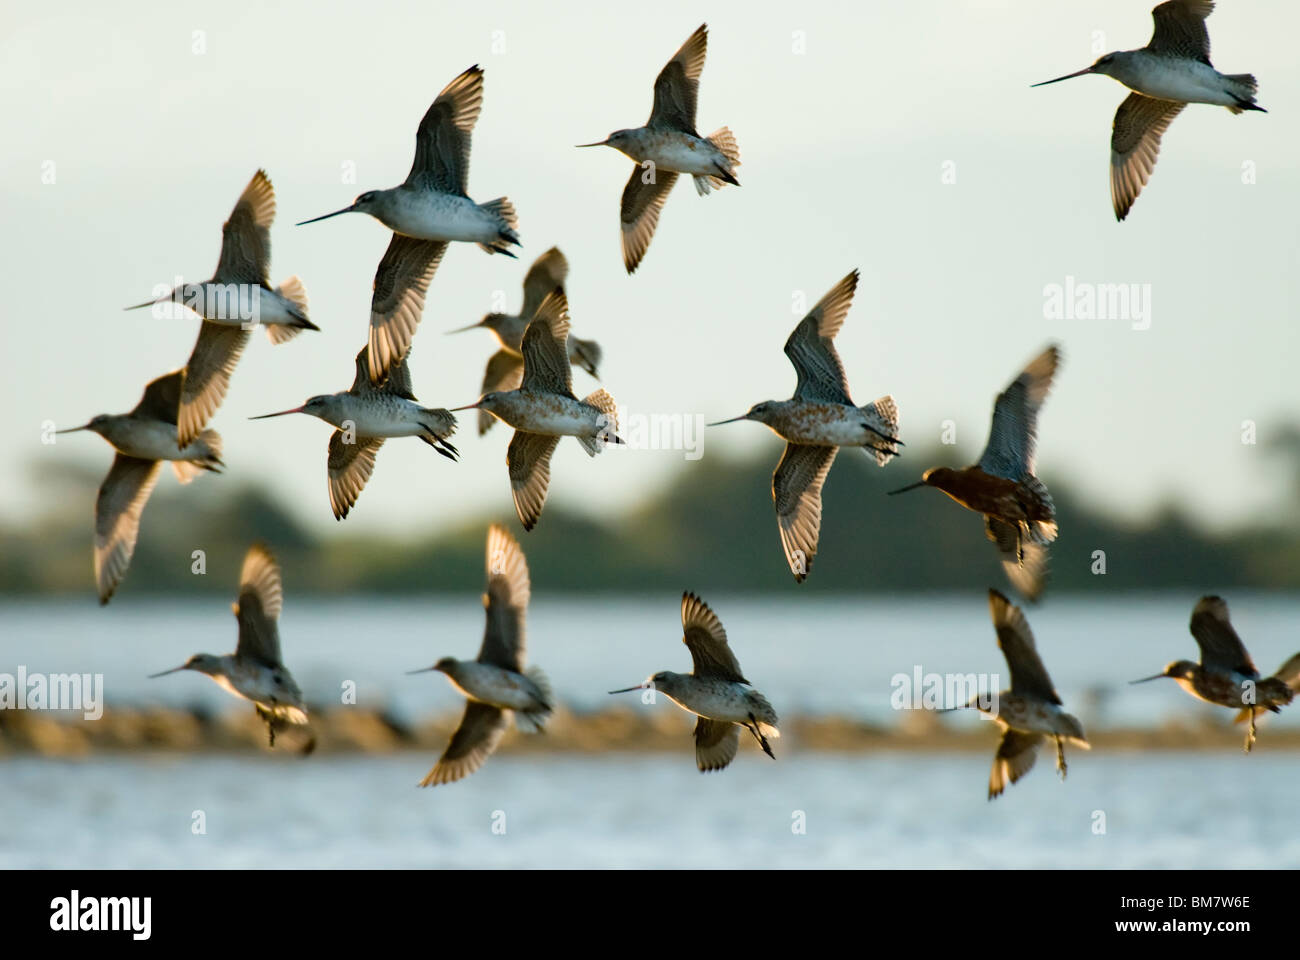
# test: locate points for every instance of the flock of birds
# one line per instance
(528, 385)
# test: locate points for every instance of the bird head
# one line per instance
(202, 662)
(1177, 670)
(365, 203)
(762, 412)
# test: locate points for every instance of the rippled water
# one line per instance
(890, 809)
(654, 810)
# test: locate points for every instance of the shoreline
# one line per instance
(351, 730)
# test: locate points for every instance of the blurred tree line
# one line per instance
(714, 526)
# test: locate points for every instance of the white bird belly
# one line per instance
(441, 216)
(237, 304)
(553, 416)
(825, 425)
(494, 686)
(1186, 82)
(686, 155)
(399, 421)
(153, 440)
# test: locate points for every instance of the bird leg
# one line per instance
(1060, 758)
(1250, 736)
(752, 727)
(269, 719)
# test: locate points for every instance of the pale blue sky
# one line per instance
(844, 149)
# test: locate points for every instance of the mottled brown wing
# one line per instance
(505, 372)
(261, 596)
(677, 87)
(213, 360)
(118, 507)
(442, 141)
(505, 642)
(401, 281)
(529, 460)
(161, 399)
(706, 638)
(811, 347)
(1221, 648)
(797, 494)
(1015, 757)
(349, 467)
(643, 198)
(246, 236)
(1140, 122)
(1015, 639)
(548, 271)
(716, 743)
(545, 348)
(1013, 434)
(480, 730)
(1180, 30)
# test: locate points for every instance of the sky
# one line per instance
(902, 139)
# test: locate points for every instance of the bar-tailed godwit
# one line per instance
(256, 670)
(1167, 74)
(505, 368)
(818, 420)
(715, 691)
(544, 408)
(1030, 711)
(143, 439)
(365, 415)
(1226, 675)
(496, 684)
(426, 212)
(237, 298)
(669, 145)
(1019, 516)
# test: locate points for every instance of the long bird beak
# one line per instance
(718, 423)
(639, 686)
(326, 216)
(598, 143)
(1068, 76)
(472, 326)
(149, 303)
(84, 426)
(1158, 676)
(411, 673)
(280, 414)
(165, 672)
(910, 486)
(468, 406)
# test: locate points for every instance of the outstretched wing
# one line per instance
(480, 730)
(246, 236)
(797, 494)
(1016, 640)
(545, 347)
(1180, 30)
(643, 198)
(677, 87)
(706, 638)
(1140, 122)
(442, 142)
(258, 607)
(1221, 648)
(1014, 433)
(811, 347)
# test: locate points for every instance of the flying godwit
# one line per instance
(495, 683)
(237, 298)
(505, 368)
(669, 145)
(1031, 710)
(426, 212)
(256, 670)
(1018, 512)
(818, 420)
(365, 416)
(543, 409)
(143, 439)
(715, 691)
(1167, 74)
(1226, 676)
